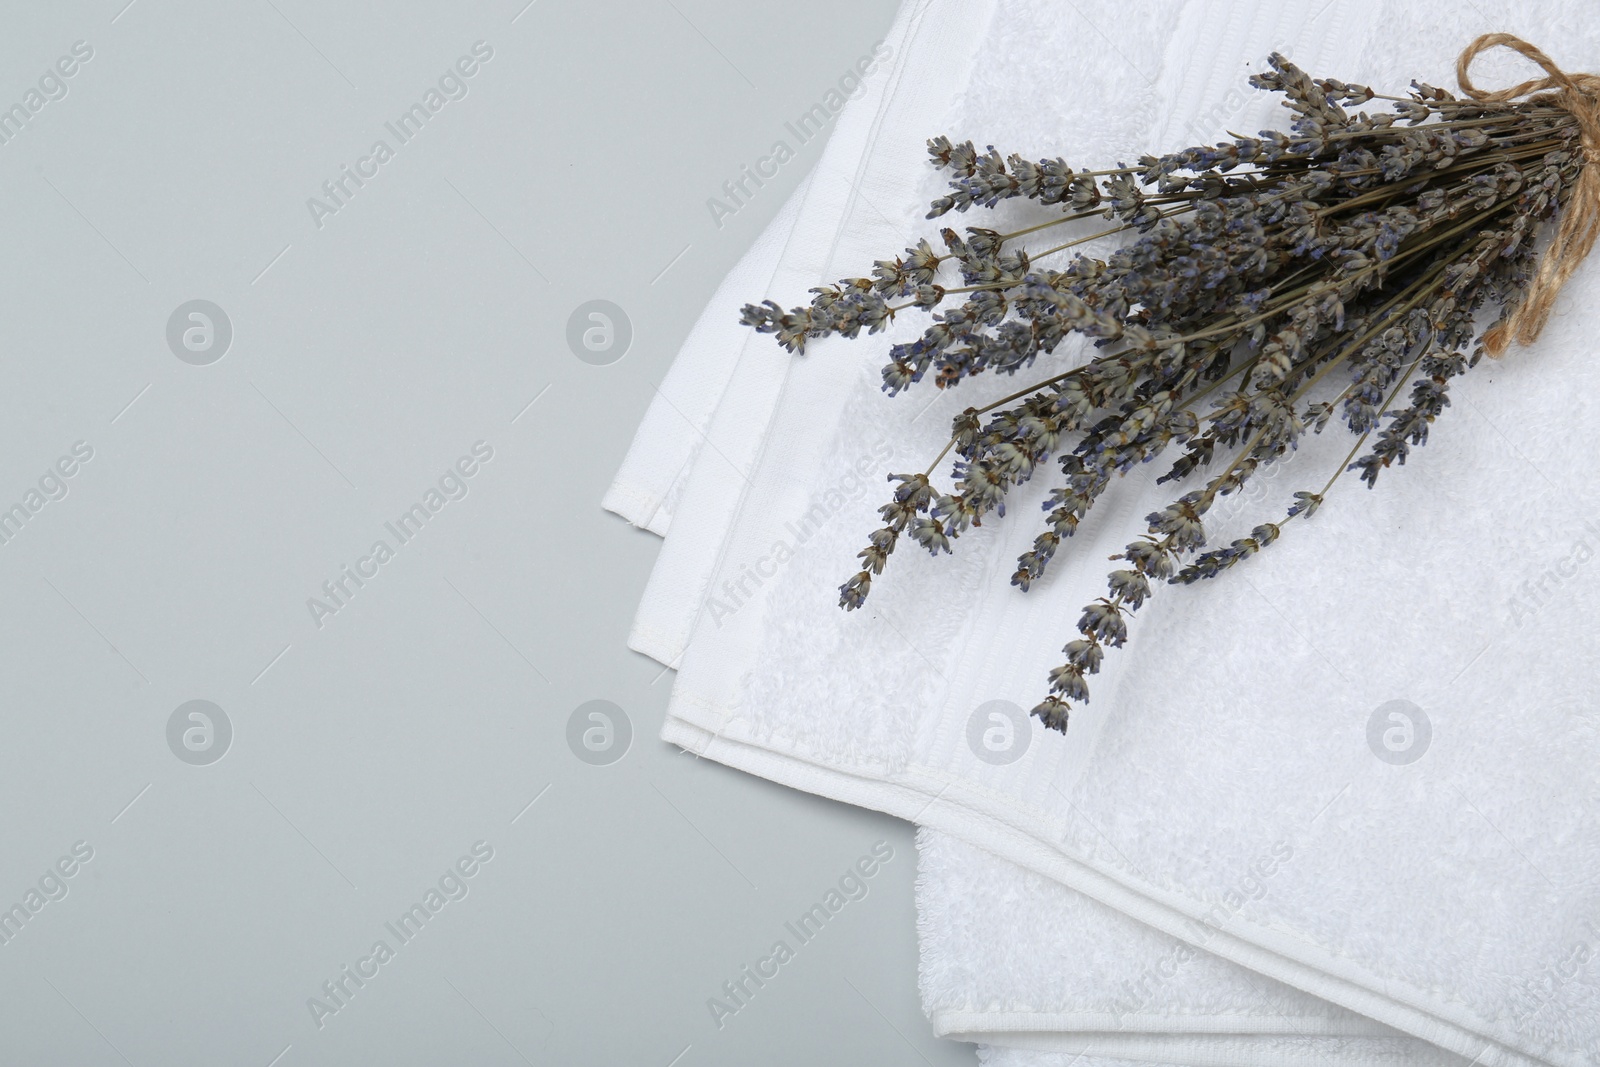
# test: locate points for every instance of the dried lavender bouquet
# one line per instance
(1354, 250)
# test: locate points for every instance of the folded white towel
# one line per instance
(1532, 981)
(1037, 1017)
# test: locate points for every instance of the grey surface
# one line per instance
(368, 754)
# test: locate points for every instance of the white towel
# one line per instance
(1336, 72)
(1185, 785)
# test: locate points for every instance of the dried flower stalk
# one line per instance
(1354, 247)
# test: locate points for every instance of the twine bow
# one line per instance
(1579, 95)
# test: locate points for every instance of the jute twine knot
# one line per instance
(1579, 95)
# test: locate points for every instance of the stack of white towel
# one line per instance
(1221, 865)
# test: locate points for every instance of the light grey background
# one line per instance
(368, 354)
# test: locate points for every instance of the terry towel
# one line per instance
(1237, 719)
(1330, 71)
